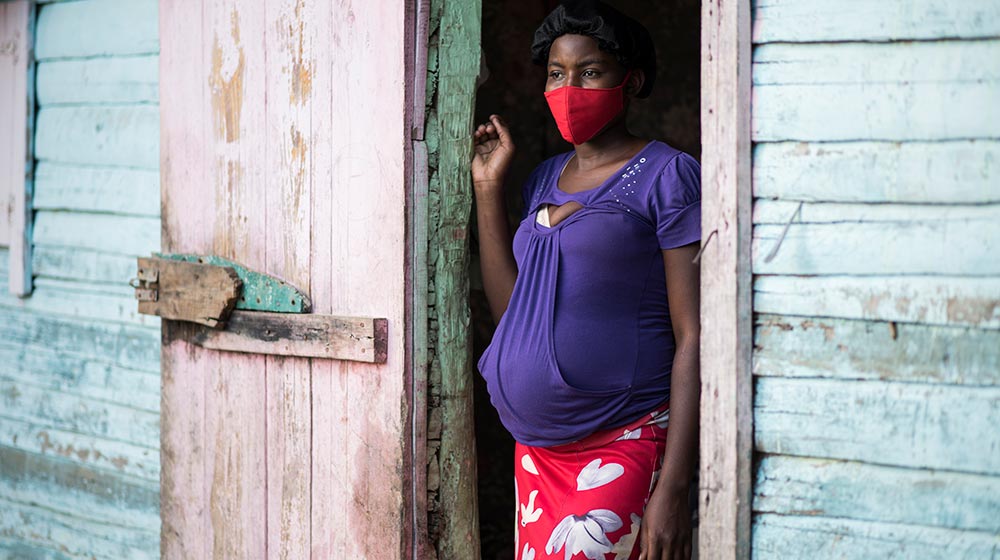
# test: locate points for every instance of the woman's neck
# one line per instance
(613, 144)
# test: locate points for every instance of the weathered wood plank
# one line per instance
(140, 462)
(876, 63)
(185, 291)
(79, 490)
(124, 345)
(14, 548)
(97, 28)
(81, 376)
(81, 300)
(119, 79)
(828, 238)
(935, 300)
(70, 537)
(308, 335)
(126, 235)
(780, 537)
(898, 111)
(953, 172)
(847, 489)
(846, 349)
(97, 189)
(778, 212)
(906, 424)
(67, 263)
(17, 129)
(121, 135)
(726, 334)
(459, 40)
(37, 405)
(861, 20)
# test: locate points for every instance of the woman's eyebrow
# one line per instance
(590, 62)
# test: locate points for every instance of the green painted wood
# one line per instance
(97, 28)
(109, 303)
(953, 172)
(120, 79)
(848, 489)
(124, 235)
(261, 292)
(852, 349)
(781, 537)
(118, 135)
(11, 548)
(863, 20)
(77, 489)
(914, 425)
(453, 64)
(114, 190)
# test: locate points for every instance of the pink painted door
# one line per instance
(282, 148)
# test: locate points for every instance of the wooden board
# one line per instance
(822, 538)
(952, 172)
(905, 424)
(83, 264)
(110, 233)
(199, 293)
(869, 350)
(935, 300)
(17, 125)
(861, 20)
(279, 154)
(726, 330)
(113, 190)
(304, 335)
(97, 28)
(131, 79)
(826, 239)
(847, 489)
(119, 135)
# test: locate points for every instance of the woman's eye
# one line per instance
(589, 73)
(555, 75)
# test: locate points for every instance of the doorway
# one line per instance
(514, 89)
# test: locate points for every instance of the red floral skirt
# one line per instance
(585, 499)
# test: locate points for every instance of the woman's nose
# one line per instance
(575, 79)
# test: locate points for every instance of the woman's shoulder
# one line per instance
(664, 156)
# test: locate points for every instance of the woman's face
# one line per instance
(575, 60)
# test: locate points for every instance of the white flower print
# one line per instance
(623, 548)
(528, 465)
(528, 553)
(528, 512)
(587, 534)
(630, 434)
(594, 475)
(517, 504)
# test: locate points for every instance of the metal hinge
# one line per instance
(146, 284)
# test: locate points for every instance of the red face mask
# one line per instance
(581, 113)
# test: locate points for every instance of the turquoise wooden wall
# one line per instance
(79, 369)
(877, 350)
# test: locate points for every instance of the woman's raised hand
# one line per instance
(494, 151)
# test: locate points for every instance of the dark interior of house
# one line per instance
(514, 90)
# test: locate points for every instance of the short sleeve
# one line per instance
(528, 190)
(675, 202)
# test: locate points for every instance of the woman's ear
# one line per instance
(635, 82)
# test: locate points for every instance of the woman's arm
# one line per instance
(666, 525)
(494, 151)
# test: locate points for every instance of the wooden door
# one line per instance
(283, 134)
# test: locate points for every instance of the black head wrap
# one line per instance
(616, 33)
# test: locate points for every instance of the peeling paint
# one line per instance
(226, 83)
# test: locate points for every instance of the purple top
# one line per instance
(586, 342)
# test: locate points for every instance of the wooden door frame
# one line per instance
(726, 453)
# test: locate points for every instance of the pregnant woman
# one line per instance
(596, 300)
